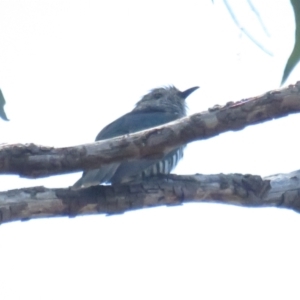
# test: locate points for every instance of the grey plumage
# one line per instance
(160, 106)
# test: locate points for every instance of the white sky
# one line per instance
(68, 68)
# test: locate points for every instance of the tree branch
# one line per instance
(281, 190)
(38, 161)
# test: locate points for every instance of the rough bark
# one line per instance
(38, 161)
(281, 190)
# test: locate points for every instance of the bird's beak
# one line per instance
(186, 93)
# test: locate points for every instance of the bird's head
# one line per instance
(166, 99)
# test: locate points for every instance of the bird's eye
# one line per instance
(157, 96)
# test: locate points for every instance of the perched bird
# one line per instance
(160, 106)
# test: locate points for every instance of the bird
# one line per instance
(160, 106)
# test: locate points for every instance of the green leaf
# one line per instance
(2, 103)
(295, 55)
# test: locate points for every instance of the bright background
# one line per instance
(68, 68)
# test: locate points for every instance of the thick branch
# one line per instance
(38, 161)
(281, 190)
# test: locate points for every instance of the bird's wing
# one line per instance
(129, 170)
(133, 122)
(97, 176)
(129, 123)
